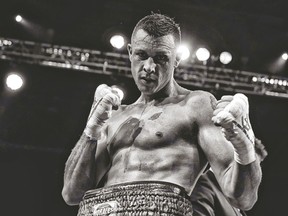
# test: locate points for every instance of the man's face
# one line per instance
(152, 61)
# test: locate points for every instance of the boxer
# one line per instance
(145, 158)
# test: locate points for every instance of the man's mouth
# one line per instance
(147, 79)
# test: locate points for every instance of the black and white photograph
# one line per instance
(143, 108)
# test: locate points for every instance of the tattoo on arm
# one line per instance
(76, 154)
(213, 103)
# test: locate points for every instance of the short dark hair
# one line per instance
(158, 25)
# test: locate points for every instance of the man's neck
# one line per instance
(170, 90)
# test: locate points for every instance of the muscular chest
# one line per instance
(149, 127)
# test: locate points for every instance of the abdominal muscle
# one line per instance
(179, 165)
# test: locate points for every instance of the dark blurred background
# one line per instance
(41, 122)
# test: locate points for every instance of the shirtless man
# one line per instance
(159, 145)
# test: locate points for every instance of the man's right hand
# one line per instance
(105, 99)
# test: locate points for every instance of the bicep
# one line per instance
(219, 152)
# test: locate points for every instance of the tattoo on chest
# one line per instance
(127, 132)
(155, 116)
(213, 103)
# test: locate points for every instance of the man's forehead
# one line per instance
(142, 38)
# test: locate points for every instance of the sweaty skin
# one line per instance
(138, 152)
(166, 135)
(156, 137)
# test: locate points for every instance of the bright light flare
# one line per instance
(184, 52)
(202, 54)
(119, 91)
(254, 79)
(14, 82)
(225, 58)
(284, 56)
(117, 41)
(18, 18)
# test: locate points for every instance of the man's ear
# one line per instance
(129, 48)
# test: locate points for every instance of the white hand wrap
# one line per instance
(244, 150)
(234, 119)
(101, 110)
(233, 111)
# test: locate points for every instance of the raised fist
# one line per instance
(231, 112)
(105, 99)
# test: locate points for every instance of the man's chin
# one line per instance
(146, 90)
(147, 87)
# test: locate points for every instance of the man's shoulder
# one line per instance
(199, 93)
(200, 106)
(200, 97)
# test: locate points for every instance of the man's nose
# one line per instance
(149, 65)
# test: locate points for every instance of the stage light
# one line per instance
(117, 41)
(183, 51)
(119, 91)
(14, 82)
(254, 79)
(284, 56)
(84, 57)
(202, 54)
(225, 58)
(69, 53)
(18, 18)
(6, 43)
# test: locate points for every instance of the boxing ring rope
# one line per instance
(109, 63)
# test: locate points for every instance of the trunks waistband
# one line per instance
(136, 198)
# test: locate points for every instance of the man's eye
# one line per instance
(161, 58)
(142, 55)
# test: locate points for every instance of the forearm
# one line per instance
(240, 174)
(79, 172)
(241, 183)
(243, 176)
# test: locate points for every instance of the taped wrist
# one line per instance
(93, 131)
(244, 156)
(100, 112)
(244, 150)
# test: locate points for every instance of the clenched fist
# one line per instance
(105, 99)
(232, 114)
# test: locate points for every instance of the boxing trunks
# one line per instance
(136, 198)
